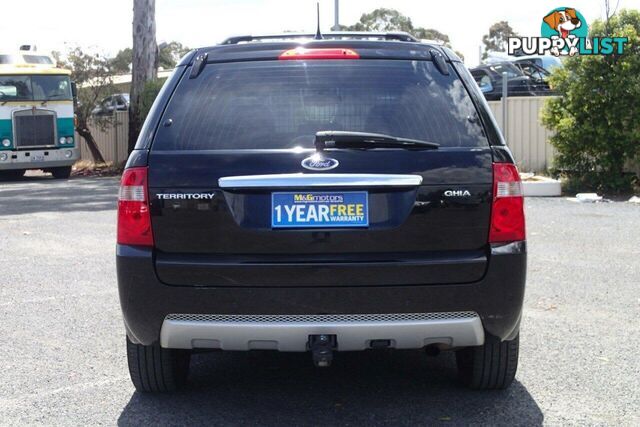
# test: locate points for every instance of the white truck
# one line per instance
(36, 115)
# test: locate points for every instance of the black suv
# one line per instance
(294, 194)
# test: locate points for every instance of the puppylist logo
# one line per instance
(564, 31)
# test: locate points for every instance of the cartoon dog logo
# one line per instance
(563, 21)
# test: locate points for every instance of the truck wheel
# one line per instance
(12, 173)
(154, 369)
(491, 366)
(61, 173)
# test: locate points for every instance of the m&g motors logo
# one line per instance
(318, 198)
(564, 31)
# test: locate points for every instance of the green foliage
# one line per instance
(92, 74)
(389, 20)
(170, 53)
(148, 95)
(597, 117)
(496, 40)
(382, 20)
(121, 63)
(430, 34)
(168, 56)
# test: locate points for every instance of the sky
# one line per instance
(105, 26)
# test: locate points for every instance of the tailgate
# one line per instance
(404, 216)
(434, 232)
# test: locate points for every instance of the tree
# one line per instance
(170, 53)
(168, 56)
(59, 59)
(92, 74)
(497, 39)
(148, 95)
(387, 20)
(431, 34)
(145, 61)
(382, 19)
(597, 117)
(121, 63)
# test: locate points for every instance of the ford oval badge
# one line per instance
(319, 163)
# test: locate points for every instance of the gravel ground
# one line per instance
(63, 358)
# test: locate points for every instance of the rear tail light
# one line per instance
(134, 220)
(507, 212)
(324, 53)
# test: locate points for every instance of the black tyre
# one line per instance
(62, 172)
(154, 369)
(12, 174)
(491, 366)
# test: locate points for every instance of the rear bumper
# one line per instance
(53, 157)
(291, 333)
(146, 302)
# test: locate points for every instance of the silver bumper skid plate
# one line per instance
(292, 332)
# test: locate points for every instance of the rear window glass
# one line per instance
(510, 69)
(7, 59)
(37, 59)
(282, 104)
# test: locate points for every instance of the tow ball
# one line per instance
(321, 347)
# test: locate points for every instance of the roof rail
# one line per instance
(399, 36)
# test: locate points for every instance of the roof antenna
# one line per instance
(318, 34)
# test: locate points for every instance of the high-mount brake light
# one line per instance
(507, 211)
(134, 219)
(319, 53)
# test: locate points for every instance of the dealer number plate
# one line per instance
(316, 209)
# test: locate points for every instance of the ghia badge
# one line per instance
(319, 163)
(457, 193)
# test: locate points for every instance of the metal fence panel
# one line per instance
(112, 139)
(527, 138)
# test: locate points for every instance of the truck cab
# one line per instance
(36, 115)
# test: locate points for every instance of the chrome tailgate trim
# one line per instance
(318, 180)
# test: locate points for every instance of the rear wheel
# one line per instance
(491, 366)
(62, 172)
(155, 369)
(12, 173)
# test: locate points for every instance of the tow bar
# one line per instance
(322, 347)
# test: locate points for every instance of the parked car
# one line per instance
(115, 102)
(548, 62)
(344, 194)
(489, 79)
(538, 75)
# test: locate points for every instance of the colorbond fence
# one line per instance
(526, 136)
(112, 139)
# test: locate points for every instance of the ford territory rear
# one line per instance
(344, 194)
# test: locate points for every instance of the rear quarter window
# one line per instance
(282, 104)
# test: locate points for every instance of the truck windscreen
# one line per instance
(34, 88)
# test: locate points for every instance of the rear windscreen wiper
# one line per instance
(365, 140)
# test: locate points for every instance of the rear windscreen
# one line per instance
(282, 104)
